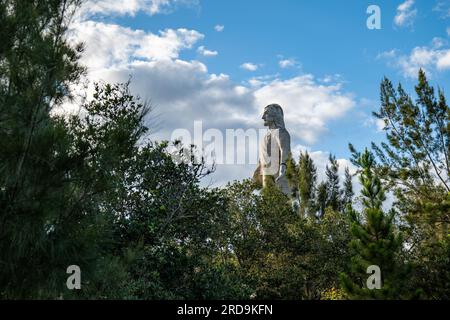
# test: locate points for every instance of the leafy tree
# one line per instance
(334, 256)
(165, 226)
(244, 226)
(178, 226)
(281, 254)
(432, 258)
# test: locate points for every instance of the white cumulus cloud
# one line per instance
(310, 105)
(432, 58)
(113, 53)
(131, 7)
(108, 45)
(287, 63)
(249, 66)
(205, 52)
(406, 13)
(219, 28)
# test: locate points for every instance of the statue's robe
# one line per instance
(274, 150)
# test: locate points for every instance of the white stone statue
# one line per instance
(274, 150)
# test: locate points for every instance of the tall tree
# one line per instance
(307, 178)
(332, 183)
(292, 176)
(348, 193)
(415, 164)
(37, 69)
(415, 160)
(375, 241)
(321, 199)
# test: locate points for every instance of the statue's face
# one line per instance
(268, 117)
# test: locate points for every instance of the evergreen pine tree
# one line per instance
(376, 242)
(332, 184)
(321, 199)
(292, 175)
(414, 162)
(415, 158)
(307, 177)
(348, 189)
(38, 192)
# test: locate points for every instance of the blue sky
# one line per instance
(329, 55)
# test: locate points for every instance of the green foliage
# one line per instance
(321, 198)
(333, 185)
(414, 163)
(282, 254)
(375, 241)
(43, 229)
(333, 294)
(307, 176)
(431, 273)
(315, 197)
(432, 256)
(348, 193)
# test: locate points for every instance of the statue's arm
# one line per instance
(284, 143)
(285, 146)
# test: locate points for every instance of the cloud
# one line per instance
(448, 31)
(309, 105)
(374, 122)
(110, 45)
(331, 78)
(443, 7)
(131, 7)
(405, 14)
(207, 53)
(433, 58)
(249, 66)
(438, 43)
(287, 63)
(443, 62)
(113, 53)
(391, 54)
(219, 28)
(259, 81)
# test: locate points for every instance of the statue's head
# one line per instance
(273, 116)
